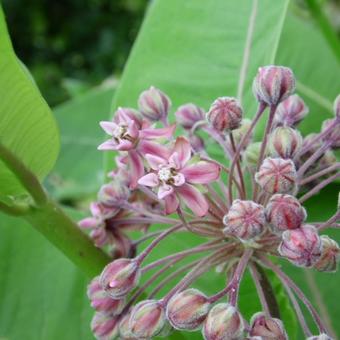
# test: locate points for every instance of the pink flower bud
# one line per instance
(100, 301)
(104, 326)
(188, 115)
(245, 220)
(267, 328)
(225, 114)
(336, 106)
(273, 84)
(285, 212)
(334, 135)
(322, 336)
(147, 319)
(302, 246)
(277, 175)
(113, 194)
(329, 257)
(223, 322)
(284, 142)
(154, 104)
(188, 309)
(120, 277)
(124, 326)
(197, 143)
(291, 111)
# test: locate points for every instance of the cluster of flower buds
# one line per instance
(167, 187)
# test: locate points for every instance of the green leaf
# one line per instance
(79, 169)
(43, 295)
(27, 126)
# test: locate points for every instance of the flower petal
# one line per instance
(201, 172)
(124, 145)
(164, 191)
(152, 133)
(193, 198)
(88, 223)
(136, 168)
(108, 145)
(171, 203)
(150, 180)
(183, 148)
(108, 127)
(154, 161)
(179, 179)
(153, 148)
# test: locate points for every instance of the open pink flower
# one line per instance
(175, 177)
(129, 132)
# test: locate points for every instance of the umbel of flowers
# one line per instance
(166, 186)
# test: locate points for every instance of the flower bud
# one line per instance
(336, 106)
(120, 277)
(329, 257)
(104, 326)
(252, 154)
(147, 319)
(277, 175)
(197, 143)
(291, 111)
(223, 322)
(100, 301)
(245, 220)
(188, 309)
(154, 104)
(285, 212)
(124, 326)
(322, 336)
(267, 328)
(225, 114)
(284, 142)
(333, 135)
(302, 246)
(188, 115)
(273, 84)
(241, 131)
(113, 194)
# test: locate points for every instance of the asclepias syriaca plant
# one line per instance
(172, 183)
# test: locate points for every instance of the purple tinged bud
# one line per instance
(284, 142)
(273, 84)
(245, 220)
(100, 301)
(113, 194)
(104, 326)
(154, 104)
(223, 322)
(197, 143)
(285, 212)
(147, 319)
(336, 106)
(188, 115)
(188, 309)
(120, 277)
(334, 134)
(322, 336)
(267, 328)
(277, 175)
(302, 246)
(225, 114)
(329, 257)
(124, 326)
(291, 111)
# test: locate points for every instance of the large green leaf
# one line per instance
(27, 126)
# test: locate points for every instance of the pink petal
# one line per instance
(179, 180)
(133, 130)
(183, 148)
(108, 127)
(95, 209)
(193, 198)
(124, 145)
(88, 223)
(164, 191)
(155, 162)
(201, 173)
(152, 133)
(174, 161)
(153, 148)
(171, 203)
(108, 145)
(136, 168)
(150, 180)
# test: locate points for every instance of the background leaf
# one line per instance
(27, 126)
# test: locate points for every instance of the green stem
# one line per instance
(14, 210)
(24, 175)
(325, 26)
(60, 230)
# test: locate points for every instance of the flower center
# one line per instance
(166, 175)
(121, 132)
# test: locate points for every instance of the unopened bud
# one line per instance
(285, 212)
(223, 322)
(113, 194)
(197, 143)
(245, 220)
(225, 114)
(124, 326)
(322, 336)
(120, 277)
(188, 309)
(284, 142)
(154, 104)
(252, 153)
(273, 84)
(267, 328)
(100, 301)
(188, 115)
(333, 135)
(302, 246)
(291, 111)
(147, 319)
(104, 326)
(336, 106)
(241, 131)
(277, 175)
(329, 257)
